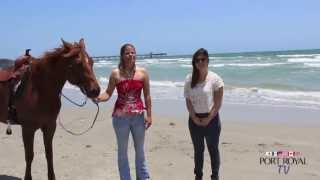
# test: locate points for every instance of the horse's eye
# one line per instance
(76, 62)
(77, 58)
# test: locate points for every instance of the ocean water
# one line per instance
(282, 78)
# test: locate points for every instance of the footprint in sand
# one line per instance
(65, 157)
(311, 174)
(155, 148)
(262, 145)
(240, 150)
(280, 144)
(226, 143)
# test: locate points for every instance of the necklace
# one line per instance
(129, 74)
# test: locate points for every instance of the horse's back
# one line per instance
(6, 74)
(4, 96)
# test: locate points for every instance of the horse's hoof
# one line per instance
(27, 178)
(9, 131)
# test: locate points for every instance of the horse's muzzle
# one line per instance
(93, 92)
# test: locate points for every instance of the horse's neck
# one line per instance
(50, 76)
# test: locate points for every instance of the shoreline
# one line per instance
(176, 109)
(286, 116)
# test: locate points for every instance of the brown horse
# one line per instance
(39, 104)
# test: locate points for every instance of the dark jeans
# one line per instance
(211, 134)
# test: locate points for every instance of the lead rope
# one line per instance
(79, 105)
(73, 102)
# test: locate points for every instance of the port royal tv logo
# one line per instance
(283, 160)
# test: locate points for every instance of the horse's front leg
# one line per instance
(28, 140)
(48, 133)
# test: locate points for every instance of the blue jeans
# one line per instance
(122, 127)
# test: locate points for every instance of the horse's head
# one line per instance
(80, 68)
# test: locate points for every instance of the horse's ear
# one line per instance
(66, 44)
(81, 43)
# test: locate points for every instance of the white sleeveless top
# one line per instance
(202, 94)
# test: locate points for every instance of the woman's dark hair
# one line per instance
(195, 71)
(122, 50)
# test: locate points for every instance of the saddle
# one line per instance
(16, 76)
(17, 71)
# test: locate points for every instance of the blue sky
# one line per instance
(172, 26)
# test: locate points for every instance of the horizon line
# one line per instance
(220, 53)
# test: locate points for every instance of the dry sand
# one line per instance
(168, 149)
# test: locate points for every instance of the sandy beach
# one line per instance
(264, 53)
(168, 149)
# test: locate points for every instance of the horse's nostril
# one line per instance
(95, 92)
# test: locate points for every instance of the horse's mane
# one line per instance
(53, 54)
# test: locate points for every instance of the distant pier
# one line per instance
(138, 56)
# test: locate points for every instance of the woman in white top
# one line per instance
(203, 91)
